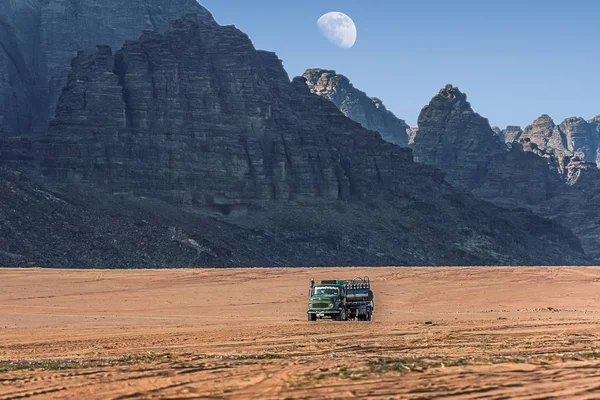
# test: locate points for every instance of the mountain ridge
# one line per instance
(189, 147)
(204, 137)
(370, 112)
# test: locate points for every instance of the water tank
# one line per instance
(359, 295)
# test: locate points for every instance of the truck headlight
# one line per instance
(330, 305)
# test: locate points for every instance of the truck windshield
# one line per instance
(326, 290)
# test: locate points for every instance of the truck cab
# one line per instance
(327, 299)
(340, 300)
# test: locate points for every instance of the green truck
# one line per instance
(341, 300)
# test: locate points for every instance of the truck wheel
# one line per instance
(368, 317)
(312, 317)
(342, 316)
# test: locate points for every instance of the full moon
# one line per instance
(338, 28)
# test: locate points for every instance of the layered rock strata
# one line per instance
(39, 38)
(198, 118)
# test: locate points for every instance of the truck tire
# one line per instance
(342, 316)
(312, 317)
(368, 316)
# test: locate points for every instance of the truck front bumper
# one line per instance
(323, 313)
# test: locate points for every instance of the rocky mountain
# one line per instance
(573, 137)
(541, 171)
(454, 138)
(39, 38)
(356, 105)
(191, 148)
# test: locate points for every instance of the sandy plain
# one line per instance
(243, 334)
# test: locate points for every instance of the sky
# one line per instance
(516, 60)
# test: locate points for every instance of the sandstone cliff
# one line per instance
(38, 39)
(356, 105)
(199, 120)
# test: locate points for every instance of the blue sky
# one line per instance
(516, 60)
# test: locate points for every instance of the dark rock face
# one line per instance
(273, 174)
(213, 124)
(21, 65)
(90, 228)
(356, 105)
(523, 177)
(39, 38)
(583, 138)
(454, 138)
(540, 173)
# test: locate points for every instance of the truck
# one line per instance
(341, 300)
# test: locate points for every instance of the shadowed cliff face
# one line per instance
(356, 105)
(454, 138)
(544, 171)
(21, 65)
(210, 121)
(198, 118)
(39, 38)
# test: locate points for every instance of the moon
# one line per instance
(338, 28)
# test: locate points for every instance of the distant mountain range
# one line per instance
(546, 168)
(180, 145)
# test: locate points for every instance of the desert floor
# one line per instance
(243, 334)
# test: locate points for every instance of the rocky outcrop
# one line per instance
(583, 139)
(453, 137)
(540, 173)
(574, 137)
(412, 132)
(511, 134)
(199, 120)
(356, 105)
(39, 38)
(546, 135)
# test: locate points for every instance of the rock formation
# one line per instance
(39, 38)
(574, 137)
(511, 134)
(542, 172)
(454, 138)
(356, 105)
(258, 170)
